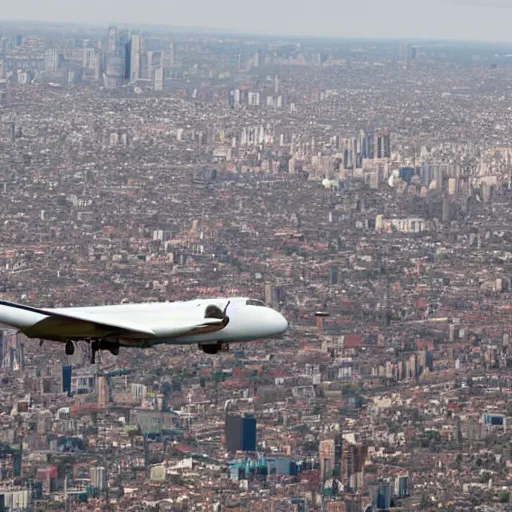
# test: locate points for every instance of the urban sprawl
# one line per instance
(363, 189)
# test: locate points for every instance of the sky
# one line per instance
(475, 20)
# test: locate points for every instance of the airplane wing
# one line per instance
(62, 325)
(79, 324)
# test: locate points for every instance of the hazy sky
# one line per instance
(447, 19)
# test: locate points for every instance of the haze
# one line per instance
(476, 20)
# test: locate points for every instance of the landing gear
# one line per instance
(98, 345)
(210, 349)
(70, 348)
(215, 348)
(95, 347)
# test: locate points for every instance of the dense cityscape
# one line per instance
(361, 188)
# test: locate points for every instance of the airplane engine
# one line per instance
(213, 311)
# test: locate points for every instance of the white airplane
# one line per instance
(211, 323)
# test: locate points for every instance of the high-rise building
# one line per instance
(98, 476)
(338, 454)
(135, 56)
(381, 496)
(446, 208)
(127, 55)
(12, 349)
(369, 146)
(114, 72)
(348, 151)
(333, 276)
(327, 455)
(116, 58)
(98, 69)
(402, 486)
(102, 390)
(67, 372)
(89, 58)
(150, 68)
(407, 54)
(139, 392)
(240, 433)
(425, 361)
(51, 60)
(273, 295)
(253, 98)
(352, 464)
(382, 144)
(159, 79)
(4, 44)
(112, 41)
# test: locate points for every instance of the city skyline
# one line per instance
(361, 188)
(465, 20)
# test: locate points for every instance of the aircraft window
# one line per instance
(253, 302)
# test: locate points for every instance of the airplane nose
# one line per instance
(284, 323)
(280, 322)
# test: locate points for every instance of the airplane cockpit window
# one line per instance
(253, 302)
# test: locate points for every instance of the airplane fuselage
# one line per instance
(201, 321)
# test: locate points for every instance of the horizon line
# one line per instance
(232, 32)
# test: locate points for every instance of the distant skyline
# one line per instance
(475, 20)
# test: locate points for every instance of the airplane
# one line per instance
(211, 323)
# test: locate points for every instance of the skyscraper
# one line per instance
(102, 390)
(348, 150)
(352, 464)
(112, 41)
(159, 79)
(333, 276)
(98, 476)
(98, 68)
(135, 55)
(51, 60)
(67, 372)
(383, 144)
(4, 44)
(240, 433)
(326, 455)
(150, 69)
(126, 50)
(273, 295)
(381, 495)
(116, 55)
(407, 54)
